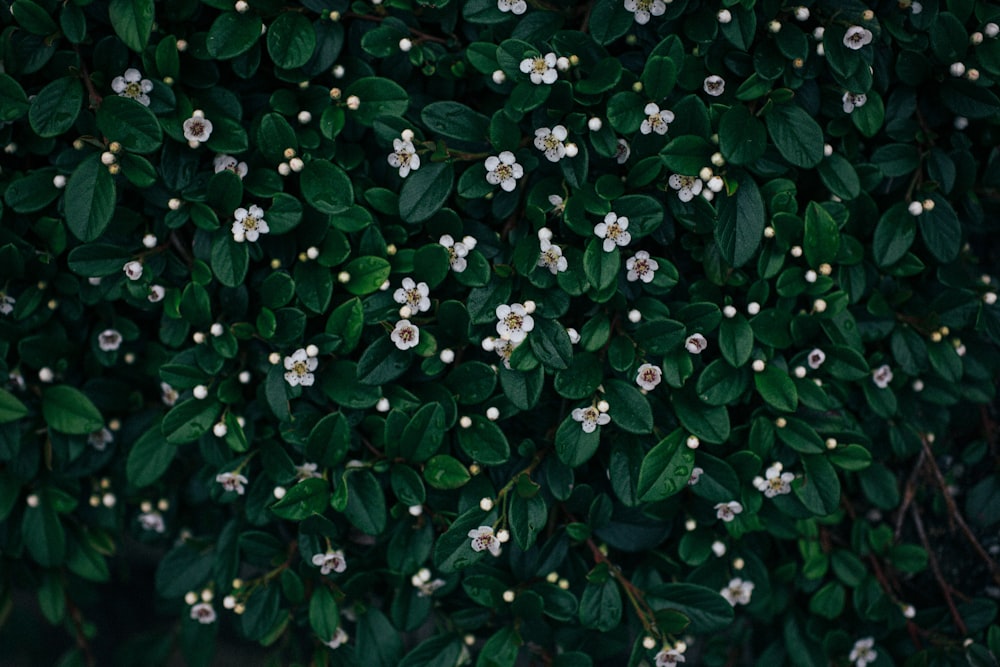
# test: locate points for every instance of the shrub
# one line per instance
(420, 333)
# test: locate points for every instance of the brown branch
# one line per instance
(419, 34)
(95, 97)
(936, 569)
(80, 635)
(909, 493)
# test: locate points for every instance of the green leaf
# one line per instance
(33, 18)
(130, 123)
(68, 410)
(382, 362)
(229, 259)
(600, 267)
(455, 121)
(894, 234)
(275, 135)
(367, 275)
(709, 612)
(55, 108)
(965, 98)
(709, 423)
(425, 191)
(43, 534)
(687, 154)
(658, 78)
(796, 134)
(91, 189)
(629, 409)
(736, 340)
(740, 227)
(329, 440)
(308, 497)
(501, 649)
(777, 389)
(574, 446)
(665, 469)
(437, 651)
(189, 420)
(379, 97)
(149, 457)
(446, 472)
(551, 344)
(527, 517)
(32, 192)
(742, 138)
(326, 187)
(314, 286)
(820, 488)
(133, 21)
(601, 606)
(291, 40)
(324, 613)
(609, 21)
(11, 408)
(13, 101)
(365, 503)
(941, 230)
(840, 177)
(453, 550)
(484, 442)
(423, 433)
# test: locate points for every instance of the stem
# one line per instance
(419, 34)
(95, 97)
(936, 569)
(634, 595)
(81, 638)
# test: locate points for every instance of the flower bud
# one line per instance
(693, 442)
(382, 405)
(59, 181)
(753, 308)
(634, 316)
(595, 124)
(353, 102)
(724, 16)
(200, 392)
(405, 45)
(758, 366)
(492, 413)
(465, 421)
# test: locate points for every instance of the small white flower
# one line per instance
(133, 270)
(331, 561)
(882, 376)
(203, 613)
(339, 638)
(590, 418)
(6, 304)
(414, 295)
(306, 471)
(857, 37)
(853, 101)
(516, 7)
(232, 481)
(558, 205)
(109, 340)
(695, 343)
(197, 129)
(687, 186)
(168, 394)
(153, 521)
(641, 267)
(424, 584)
(775, 482)
(404, 157)
(656, 120)
(863, 652)
(738, 591)
(541, 68)
(728, 511)
(405, 335)
(696, 474)
(613, 231)
(643, 9)
(457, 252)
(503, 349)
(503, 171)
(223, 162)
(551, 257)
(132, 85)
(100, 440)
(156, 293)
(816, 358)
(249, 224)
(514, 322)
(715, 85)
(300, 366)
(649, 376)
(622, 152)
(551, 142)
(483, 539)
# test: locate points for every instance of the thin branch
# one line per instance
(936, 569)
(419, 34)
(95, 97)
(81, 638)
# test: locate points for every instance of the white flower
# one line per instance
(306, 471)
(816, 358)
(483, 539)
(300, 366)
(109, 340)
(551, 256)
(656, 120)
(687, 186)
(249, 224)
(774, 482)
(853, 100)
(232, 481)
(863, 652)
(590, 418)
(737, 592)
(331, 561)
(504, 348)
(669, 657)
(152, 521)
(503, 171)
(695, 343)
(404, 157)
(414, 295)
(541, 68)
(728, 511)
(856, 37)
(696, 474)
(514, 322)
(339, 638)
(457, 252)
(714, 85)
(551, 142)
(558, 205)
(405, 335)
(882, 376)
(517, 7)
(643, 9)
(6, 304)
(132, 85)
(133, 270)
(641, 267)
(622, 152)
(100, 440)
(613, 231)
(649, 376)
(424, 584)
(197, 129)
(156, 293)
(168, 394)
(223, 162)
(203, 613)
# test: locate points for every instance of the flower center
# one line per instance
(504, 172)
(551, 257)
(551, 142)
(484, 541)
(614, 231)
(404, 157)
(643, 5)
(655, 120)
(197, 128)
(641, 268)
(406, 334)
(133, 89)
(649, 375)
(413, 298)
(775, 483)
(686, 181)
(513, 321)
(300, 368)
(539, 66)
(250, 223)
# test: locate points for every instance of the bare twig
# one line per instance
(81, 638)
(936, 569)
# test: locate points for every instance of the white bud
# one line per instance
(724, 16)
(190, 597)
(800, 372)
(562, 64)
(284, 169)
(991, 30)
(415, 510)
(976, 38)
(603, 406)
(529, 306)
(957, 69)
(753, 308)
(595, 124)
(795, 251)
(45, 374)
(59, 181)
(405, 45)
(405, 312)
(801, 13)
(717, 159)
(447, 355)
(705, 173)
(241, 421)
(917, 386)
(469, 242)
(108, 158)
(819, 305)
(486, 504)
(719, 549)
(961, 122)
(229, 602)
(499, 77)
(465, 421)
(32, 500)
(353, 102)
(296, 164)
(312, 252)
(492, 414)
(827, 150)
(572, 150)
(220, 429)
(690, 525)
(241, 6)
(972, 74)
(544, 234)
(279, 492)
(407, 134)
(487, 344)
(338, 71)
(634, 316)
(648, 643)
(811, 276)
(200, 392)
(915, 208)
(729, 312)
(198, 337)
(738, 564)
(503, 535)
(274, 358)
(909, 611)
(217, 330)
(758, 366)
(831, 443)
(928, 204)
(174, 204)
(716, 184)
(774, 27)
(693, 442)
(382, 405)
(384, 286)
(508, 596)
(574, 335)
(769, 232)
(820, 50)
(989, 298)
(343, 277)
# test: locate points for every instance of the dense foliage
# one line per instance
(430, 332)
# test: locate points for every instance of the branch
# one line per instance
(80, 636)
(95, 97)
(936, 569)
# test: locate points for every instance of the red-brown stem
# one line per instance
(95, 97)
(419, 34)
(81, 638)
(936, 569)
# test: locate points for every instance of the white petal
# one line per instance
(651, 109)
